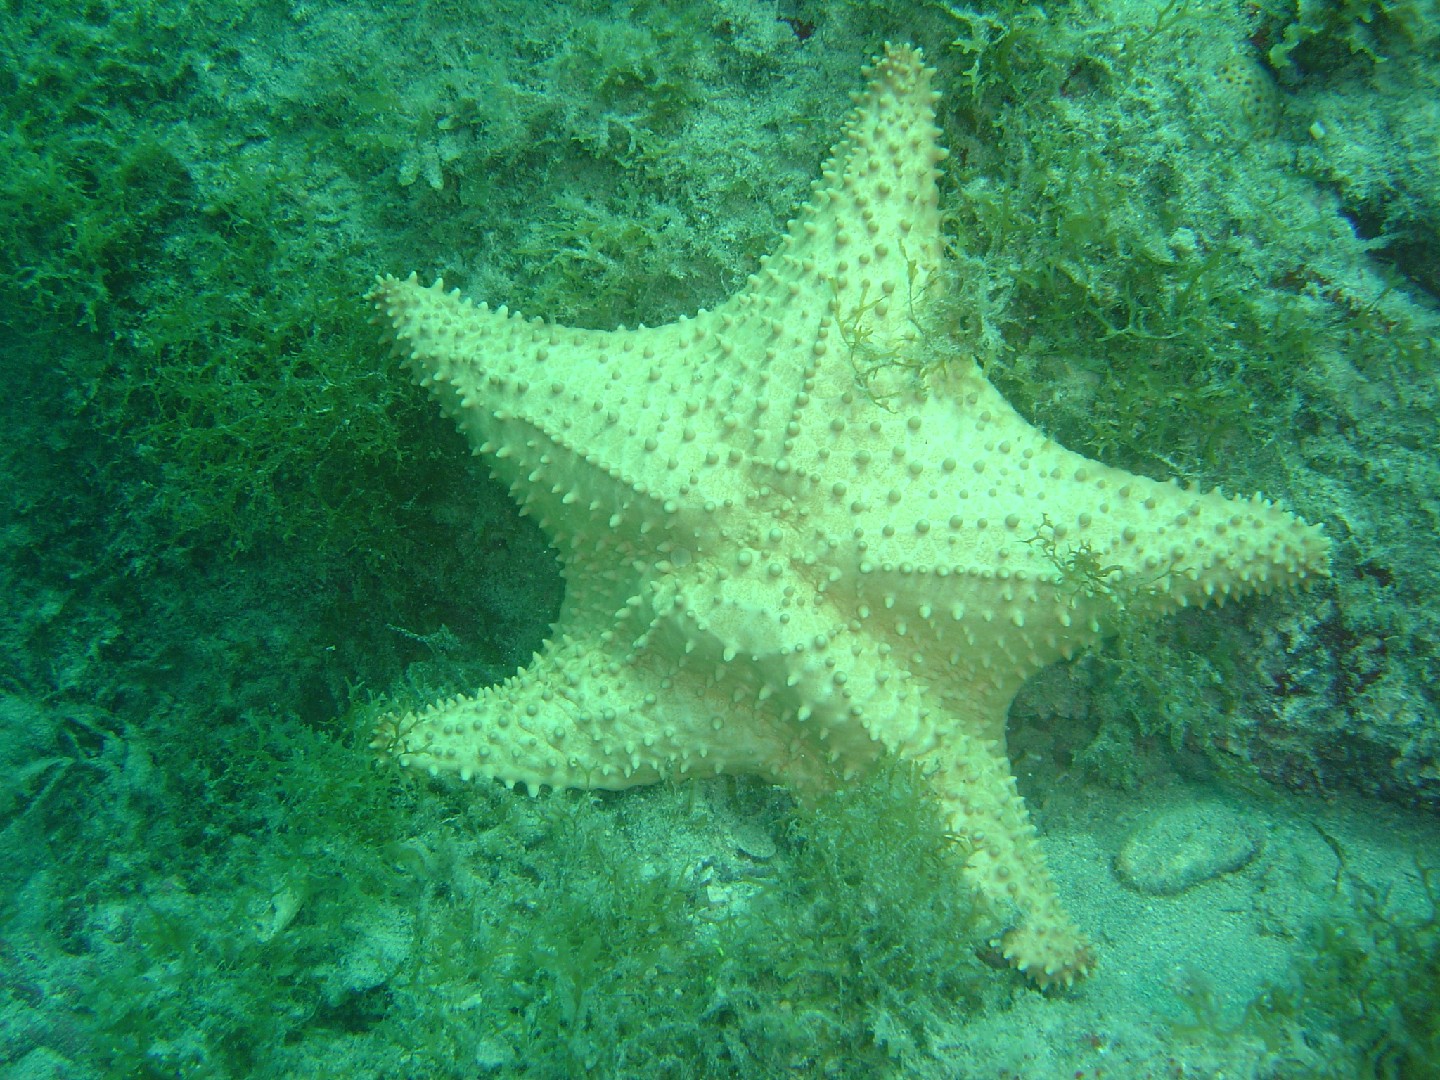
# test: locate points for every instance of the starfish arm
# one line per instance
(974, 785)
(556, 411)
(959, 521)
(970, 487)
(573, 718)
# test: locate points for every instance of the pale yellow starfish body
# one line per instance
(797, 535)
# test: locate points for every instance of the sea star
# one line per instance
(803, 531)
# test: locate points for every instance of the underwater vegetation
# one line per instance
(1362, 995)
(514, 936)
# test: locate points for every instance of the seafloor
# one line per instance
(1196, 239)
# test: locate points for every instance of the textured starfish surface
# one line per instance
(800, 531)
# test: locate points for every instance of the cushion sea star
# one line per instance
(797, 533)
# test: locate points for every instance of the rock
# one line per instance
(1177, 847)
(755, 843)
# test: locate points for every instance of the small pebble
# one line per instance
(755, 843)
(1178, 847)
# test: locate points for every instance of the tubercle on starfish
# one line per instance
(778, 563)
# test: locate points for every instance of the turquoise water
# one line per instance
(1190, 241)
